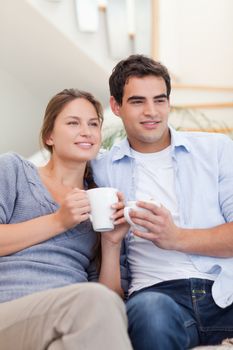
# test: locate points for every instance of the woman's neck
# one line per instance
(64, 174)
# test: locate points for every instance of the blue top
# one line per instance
(59, 261)
(203, 165)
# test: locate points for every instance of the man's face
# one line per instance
(144, 112)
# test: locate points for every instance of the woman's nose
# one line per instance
(84, 130)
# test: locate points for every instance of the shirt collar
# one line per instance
(122, 149)
(178, 139)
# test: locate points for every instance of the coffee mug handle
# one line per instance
(127, 217)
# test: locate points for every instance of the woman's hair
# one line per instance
(54, 107)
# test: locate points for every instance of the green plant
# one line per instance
(197, 120)
(112, 135)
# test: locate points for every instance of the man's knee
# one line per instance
(149, 302)
(152, 310)
(158, 318)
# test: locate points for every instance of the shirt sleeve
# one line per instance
(226, 178)
(8, 187)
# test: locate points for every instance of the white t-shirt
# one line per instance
(148, 263)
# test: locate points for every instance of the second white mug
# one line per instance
(132, 205)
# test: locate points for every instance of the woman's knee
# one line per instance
(98, 296)
(104, 296)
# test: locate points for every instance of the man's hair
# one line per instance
(135, 66)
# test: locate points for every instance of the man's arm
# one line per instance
(216, 241)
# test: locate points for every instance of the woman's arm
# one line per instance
(110, 271)
(110, 266)
(73, 210)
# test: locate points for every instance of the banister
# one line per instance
(203, 105)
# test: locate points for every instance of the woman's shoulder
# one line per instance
(11, 159)
(15, 163)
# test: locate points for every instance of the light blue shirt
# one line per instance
(203, 166)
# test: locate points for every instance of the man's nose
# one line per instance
(150, 109)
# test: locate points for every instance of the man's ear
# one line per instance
(169, 104)
(115, 107)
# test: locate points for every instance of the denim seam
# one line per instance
(214, 329)
(189, 323)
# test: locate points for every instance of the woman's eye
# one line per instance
(95, 124)
(72, 123)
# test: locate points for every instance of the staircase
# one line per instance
(44, 51)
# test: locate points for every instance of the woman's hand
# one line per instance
(121, 226)
(74, 209)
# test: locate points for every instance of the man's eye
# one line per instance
(160, 100)
(135, 102)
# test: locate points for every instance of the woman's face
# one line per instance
(76, 135)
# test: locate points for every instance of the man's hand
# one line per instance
(160, 226)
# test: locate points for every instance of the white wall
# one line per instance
(17, 102)
(196, 39)
(37, 60)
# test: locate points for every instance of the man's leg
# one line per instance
(156, 321)
(83, 316)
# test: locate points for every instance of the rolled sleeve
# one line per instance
(226, 179)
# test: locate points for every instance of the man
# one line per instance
(181, 270)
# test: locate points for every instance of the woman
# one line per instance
(47, 244)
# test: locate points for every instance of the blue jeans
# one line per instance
(177, 314)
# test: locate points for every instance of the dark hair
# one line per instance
(135, 66)
(54, 107)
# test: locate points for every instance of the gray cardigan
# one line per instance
(64, 259)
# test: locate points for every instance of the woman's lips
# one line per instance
(85, 145)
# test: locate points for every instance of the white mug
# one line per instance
(101, 200)
(131, 205)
